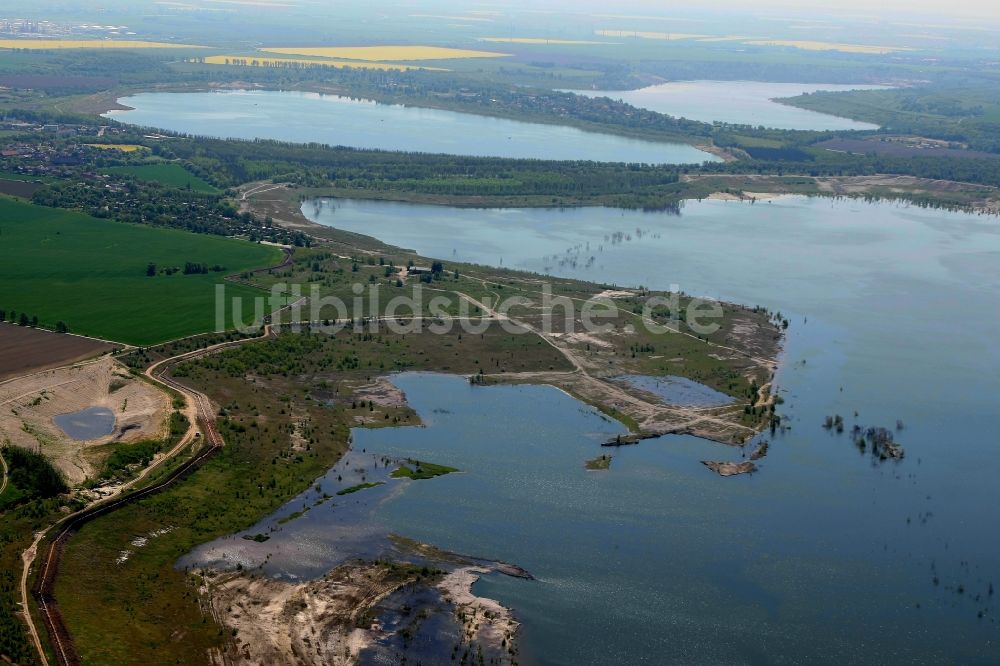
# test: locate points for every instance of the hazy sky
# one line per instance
(895, 9)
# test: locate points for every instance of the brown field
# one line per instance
(18, 188)
(24, 350)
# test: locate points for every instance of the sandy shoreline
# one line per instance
(336, 619)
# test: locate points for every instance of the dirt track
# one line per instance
(201, 417)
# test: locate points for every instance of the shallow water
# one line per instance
(86, 424)
(341, 121)
(824, 556)
(678, 390)
(738, 102)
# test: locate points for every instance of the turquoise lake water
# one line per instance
(823, 556)
(739, 102)
(341, 121)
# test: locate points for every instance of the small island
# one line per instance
(417, 470)
(599, 463)
(729, 468)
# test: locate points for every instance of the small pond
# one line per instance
(89, 423)
(678, 390)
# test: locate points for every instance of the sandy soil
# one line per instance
(382, 392)
(614, 293)
(278, 622)
(486, 621)
(28, 405)
(729, 468)
(760, 451)
(327, 621)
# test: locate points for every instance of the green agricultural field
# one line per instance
(62, 265)
(166, 173)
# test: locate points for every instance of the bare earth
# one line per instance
(328, 621)
(729, 468)
(24, 350)
(28, 405)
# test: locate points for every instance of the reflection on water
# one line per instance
(89, 423)
(678, 390)
(737, 102)
(316, 531)
(821, 556)
(341, 121)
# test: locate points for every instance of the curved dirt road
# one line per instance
(201, 418)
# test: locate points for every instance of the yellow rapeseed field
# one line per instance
(537, 40)
(382, 53)
(89, 44)
(828, 46)
(123, 147)
(253, 61)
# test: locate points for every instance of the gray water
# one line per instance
(824, 556)
(86, 424)
(342, 121)
(678, 390)
(738, 102)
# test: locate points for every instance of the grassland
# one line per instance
(418, 471)
(543, 40)
(286, 426)
(385, 53)
(49, 44)
(254, 61)
(147, 607)
(645, 34)
(122, 147)
(809, 45)
(599, 464)
(165, 173)
(360, 487)
(62, 265)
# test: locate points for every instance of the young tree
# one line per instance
(61, 327)
(151, 269)
(23, 321)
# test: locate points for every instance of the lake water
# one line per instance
(341, 121)
(678, 390)
(89, 423)
(824, 556)
(739, 102)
